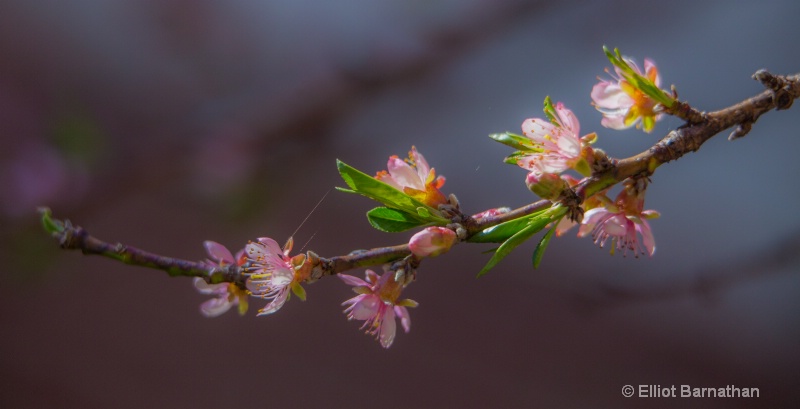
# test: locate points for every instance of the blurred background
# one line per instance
(161, 124)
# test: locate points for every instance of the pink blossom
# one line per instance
(622, 104)
(415, 178)
(432, 241)
(621, 228)
(226, 295)
(221, 256)
(559, 144)
(271, 273)
(376, 304)
(622, 222)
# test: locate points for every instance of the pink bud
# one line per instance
(432, 241)
(547, 185)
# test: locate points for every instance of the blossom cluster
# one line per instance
(274, 276)
(549, 149)
(556, 146)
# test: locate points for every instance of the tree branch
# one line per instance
(700, 127)
(690, 137)
(77, 238)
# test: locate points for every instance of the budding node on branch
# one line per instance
(780, 86)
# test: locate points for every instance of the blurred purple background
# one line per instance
(162, 124)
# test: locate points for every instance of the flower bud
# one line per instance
(432, 241)
(546, 185)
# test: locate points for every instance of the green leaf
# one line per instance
(521, 232)
(341, 189)
(639, 82)
(50, 225)
(550, 111)
(372, 188)
(513, 140)
(503, 231)
(509, 245)
(538, 253)
(514, 158)
(299, 291)
(392, 220)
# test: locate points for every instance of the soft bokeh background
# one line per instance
(161, 124)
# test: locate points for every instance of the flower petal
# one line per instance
(405, 318)
(354, 281)
(372, 276)
(607, 96)
(276, 303)
(563, 226)
(420, 163)
(537, 129)
(652, 72)
(365, 308)
(218, 252)
(647, 237)
(617, 225)
(568, 120)
(404, 174)
(271, 246)
(552, 164)
(215, 307)
(615, 120)
(205, 288)
(388, 328)
(569, 145)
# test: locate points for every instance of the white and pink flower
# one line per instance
(415, 178)
(622, 104)
(622, 222)
(621, 228)
(270, 273)
(376, 304)
(559, 143)
(226, 295)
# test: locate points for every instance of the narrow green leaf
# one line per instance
(500, 232)
(503, 231)
(299, 291)
(513, 140)
(538, 253)
(508, 246)
(514, 232)
(50, 225)
(341, 189)
(638, 81)
(392, 220)
(550, 111)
